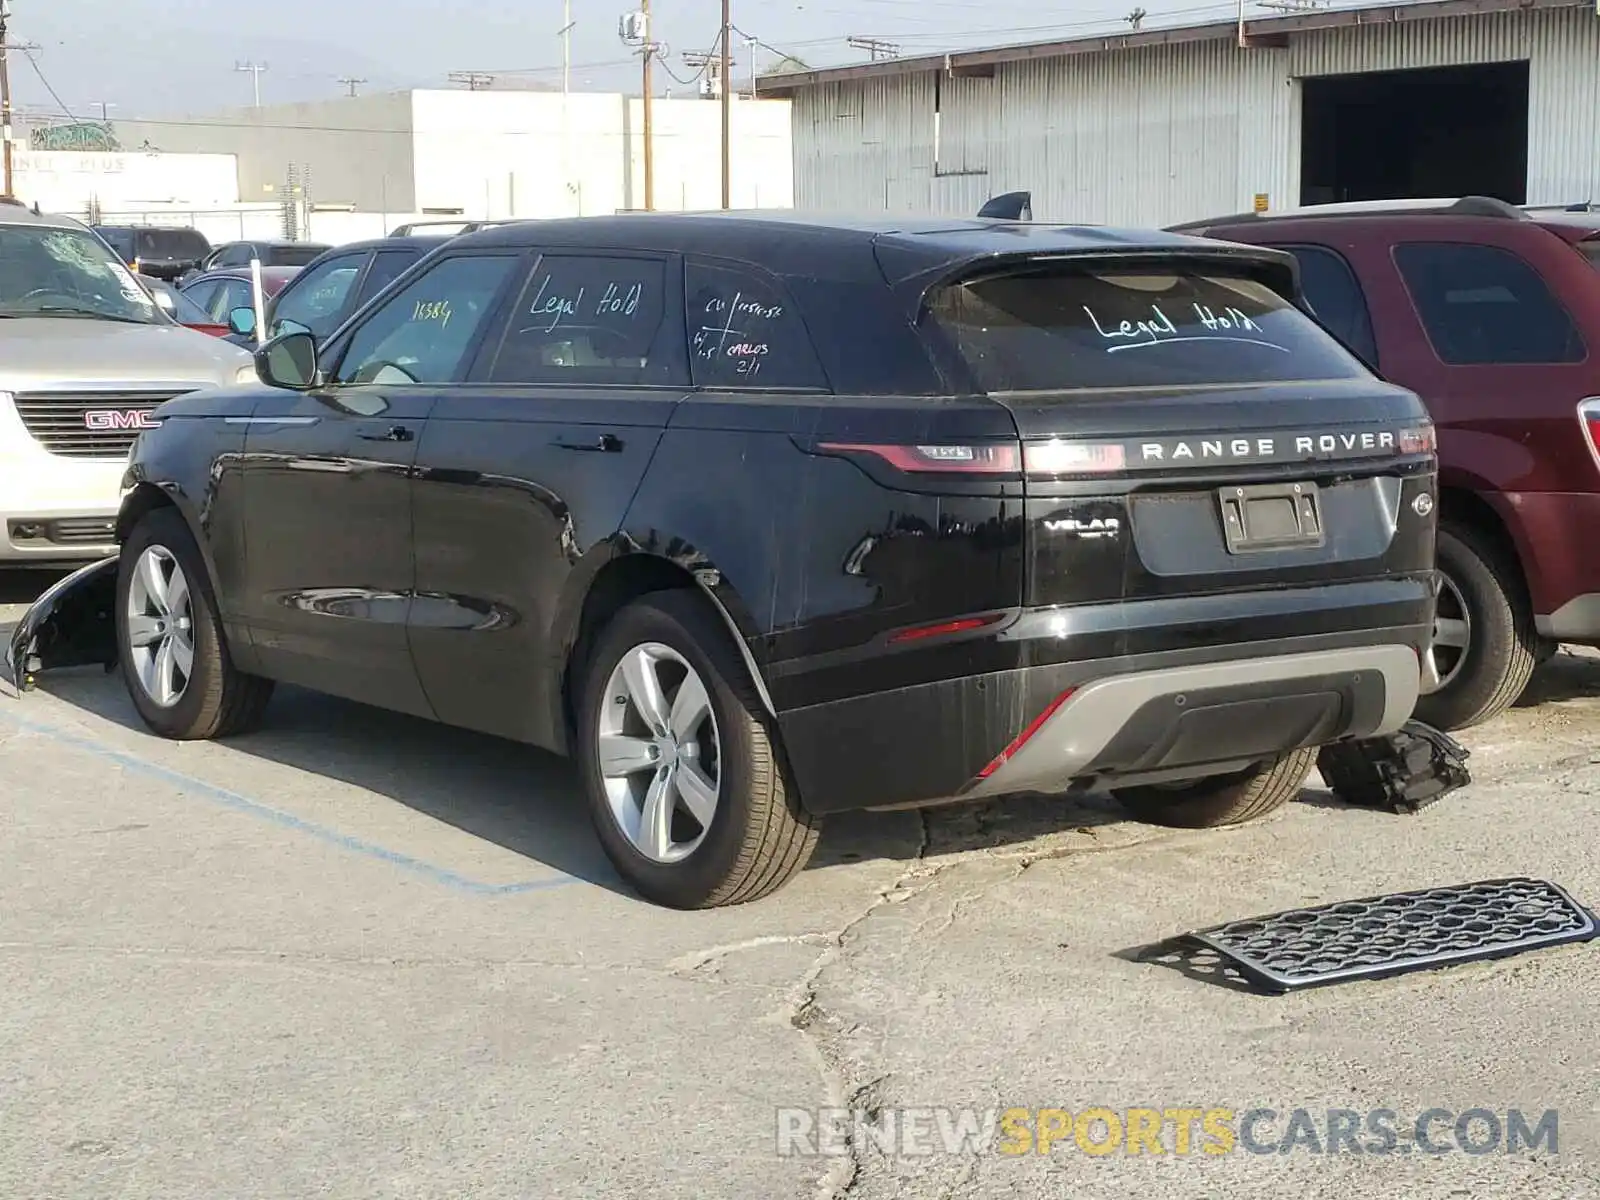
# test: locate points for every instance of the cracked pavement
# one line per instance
(356, 955)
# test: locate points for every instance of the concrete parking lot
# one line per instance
(357, 955)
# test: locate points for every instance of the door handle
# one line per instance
(395, 433)
(606, 443)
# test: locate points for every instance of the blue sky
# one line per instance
(141, 58)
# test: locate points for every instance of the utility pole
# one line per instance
(5, 92)
(876, 47)
(352, 84)
(566, 48)
(475, 81)
(647, 52)
(255, 69)
(725, 82)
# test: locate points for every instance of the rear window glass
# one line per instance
(1591, 250)
(295, 256)
(1053, 328)
(172, 243)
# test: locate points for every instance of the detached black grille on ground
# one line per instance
(1394, 934)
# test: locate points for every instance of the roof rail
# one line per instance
(1465, 206)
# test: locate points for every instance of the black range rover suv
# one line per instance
(762, 518)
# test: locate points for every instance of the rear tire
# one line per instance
(1225, 799)
(180, 675)
(1502, 646)
(693, 804)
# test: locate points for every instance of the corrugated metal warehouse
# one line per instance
(1446, 98)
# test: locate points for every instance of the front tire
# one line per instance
(687, 787)
(170, 643)
(1485, 644)
(1225, 799)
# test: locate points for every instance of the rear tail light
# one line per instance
(1589, 418)
(1055, 457)
(1419, 439)
(1021, 740)
(993, 458)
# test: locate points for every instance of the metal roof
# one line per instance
(1266, 31)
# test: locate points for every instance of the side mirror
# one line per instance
(242, 320)
(289, 361)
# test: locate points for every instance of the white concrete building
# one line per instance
(1441, 98)
(492, 154)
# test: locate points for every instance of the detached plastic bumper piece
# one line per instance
(1399, 933)
(1401, 773)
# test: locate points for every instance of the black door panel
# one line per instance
(512, 491)
(328, 496)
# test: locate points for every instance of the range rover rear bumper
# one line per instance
(1050, 728)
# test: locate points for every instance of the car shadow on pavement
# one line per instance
(530, 802)
(1567, 676)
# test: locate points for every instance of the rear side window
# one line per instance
(1591, 250)
(387, 266)
(1336, 297)
(1482, 305)
(1057, 328)
(592, 319)
(745, 332)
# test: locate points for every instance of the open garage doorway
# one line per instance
(1395, 135)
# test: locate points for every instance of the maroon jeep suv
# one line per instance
(1491, 313)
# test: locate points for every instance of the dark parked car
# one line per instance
(219, 293)
(182, 309)
(271, 253)
(339, 281)
(1492, 314)
(163, 252)
(763, 518)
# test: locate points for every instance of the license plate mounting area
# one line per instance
(1262, 517)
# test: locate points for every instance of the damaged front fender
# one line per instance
(73, 624)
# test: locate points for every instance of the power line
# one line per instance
(27, 49)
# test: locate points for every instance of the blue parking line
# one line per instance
(254, 808)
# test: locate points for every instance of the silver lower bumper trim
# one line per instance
(1076, 733)
(1578, 620)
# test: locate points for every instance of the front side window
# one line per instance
(230, 294)
(47, 272)
(1482, 306)
(317, 298)
(237, 255)
(422, 333)
(592, 319)
(744, 331)
(1059, 327)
